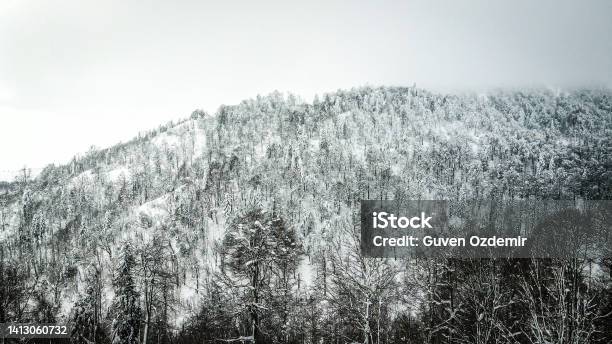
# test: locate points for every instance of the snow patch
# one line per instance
(306, 272)
(117, 173)
(84, 177)
(156, 209)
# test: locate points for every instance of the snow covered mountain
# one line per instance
(162, 219)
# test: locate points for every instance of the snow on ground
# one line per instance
(189, 296)
(156, 209)
(593, 271)
(117, 173)
(200, 141)
(358, 151)
(215, 231)
(474, 141)
(315, 145)
(166, 139)
(188, 134)
(343, 116)
(396, 169)
(84, 177)
(306, 272)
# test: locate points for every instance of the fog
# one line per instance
(77, 73)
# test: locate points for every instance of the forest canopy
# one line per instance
(243, 224)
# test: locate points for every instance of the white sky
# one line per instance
(76, 73)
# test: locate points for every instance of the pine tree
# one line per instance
(85, 319)
(126, 307)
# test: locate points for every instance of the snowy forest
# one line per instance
(242, 225)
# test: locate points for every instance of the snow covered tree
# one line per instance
(14, 291)
(126, 307)
(156, 273)
(258, 246)
(360, 289)
(86, 328)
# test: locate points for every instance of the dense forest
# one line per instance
(243, 225)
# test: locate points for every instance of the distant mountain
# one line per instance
(161, 214)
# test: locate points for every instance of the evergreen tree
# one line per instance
(85, 319)
(126, 306)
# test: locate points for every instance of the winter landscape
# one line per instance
(243, 224)
(196, 171)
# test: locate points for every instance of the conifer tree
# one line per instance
(126, 307)
(85, 319)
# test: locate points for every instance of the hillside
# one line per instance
(164, 210)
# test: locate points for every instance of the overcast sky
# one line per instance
(76, 73)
